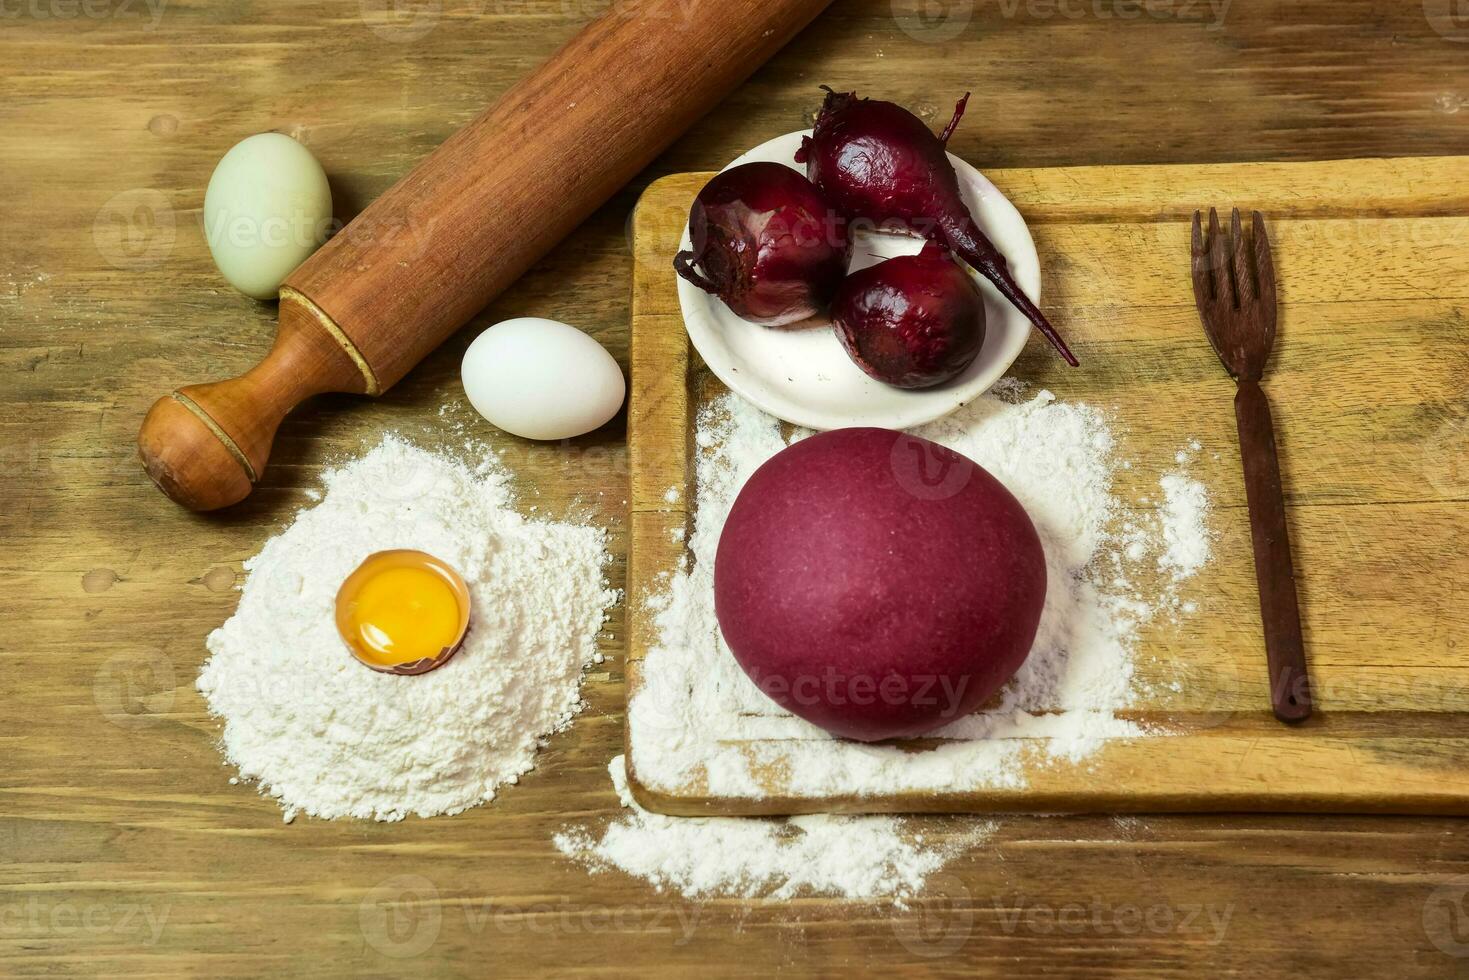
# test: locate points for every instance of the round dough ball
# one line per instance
(877, 584)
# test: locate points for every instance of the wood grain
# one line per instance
(113, 801)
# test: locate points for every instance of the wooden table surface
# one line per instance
(123, 847)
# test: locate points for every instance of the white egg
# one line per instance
(267, 208)
(542, 379)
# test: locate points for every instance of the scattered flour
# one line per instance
(698, 723)
(823, 854)
(329, 737)
(1185, 525)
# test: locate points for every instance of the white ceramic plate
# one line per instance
(805, 377)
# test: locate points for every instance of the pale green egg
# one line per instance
(268, 207)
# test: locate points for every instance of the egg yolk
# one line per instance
(402, 613)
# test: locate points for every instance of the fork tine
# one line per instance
(1264, 261)
(1219, 262)
(1199, 263)
(1240, 262)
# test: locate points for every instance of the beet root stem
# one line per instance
(954, 122)
(978, 251)
(683, 264)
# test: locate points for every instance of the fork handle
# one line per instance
(1290, 685)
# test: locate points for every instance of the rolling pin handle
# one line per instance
(205, 446)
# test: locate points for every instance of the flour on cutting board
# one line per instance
(697, 720)
(1185, 519)
(327, 736)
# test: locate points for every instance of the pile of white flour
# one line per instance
(329, 737)
(698, 723)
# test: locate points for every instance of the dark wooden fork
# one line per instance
(1234, 287)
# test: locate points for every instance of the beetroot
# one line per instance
(876, 160)
(765, 241)
(877, 584)
(913, 321)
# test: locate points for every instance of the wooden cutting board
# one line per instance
(1370, 384)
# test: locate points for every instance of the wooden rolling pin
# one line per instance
(467, 222)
